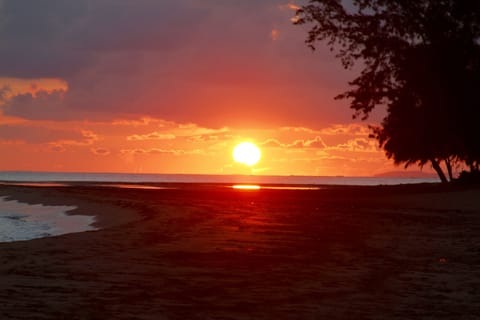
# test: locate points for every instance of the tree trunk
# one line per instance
(448, 163)
(438, 169)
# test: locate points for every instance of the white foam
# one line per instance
(21, 221)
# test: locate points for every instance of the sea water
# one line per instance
(21, 221)
(24, 176)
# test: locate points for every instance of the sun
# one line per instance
(246, 153)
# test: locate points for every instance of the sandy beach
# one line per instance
(212, 252)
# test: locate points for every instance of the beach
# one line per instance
(188, 251)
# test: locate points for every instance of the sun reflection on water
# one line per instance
(257, 187)
(246, 187)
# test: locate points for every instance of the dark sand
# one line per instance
(406, 252)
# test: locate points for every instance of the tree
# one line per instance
(421, 60)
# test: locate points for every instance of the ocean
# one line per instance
(24, 176)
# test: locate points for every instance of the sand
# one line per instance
(211, 252)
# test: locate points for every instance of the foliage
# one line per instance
(421, 59)
(469, 178)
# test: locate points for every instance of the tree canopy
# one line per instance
(421, 60)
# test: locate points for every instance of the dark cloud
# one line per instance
(209, 62)
(39, 135)
(44, 105)
(3, 93)
(58, 38)
(35, 35)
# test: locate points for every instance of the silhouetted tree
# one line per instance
(421, 60)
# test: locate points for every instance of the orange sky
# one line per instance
(152, 145)
(172, 87)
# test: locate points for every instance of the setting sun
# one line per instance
(246, 153)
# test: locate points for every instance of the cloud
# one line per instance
(358, 145)
(68, 35)
(89, 137)
(4, 90)
(156, 151)
(10, 87)
(210, 137)
(38, 106)
(274, 34)
(60, 145)
(143, 121)
(151, 136)
(316, 143)
(210, 62)
(346, 129)
(39, 135)
(192, 129)
(289, 6)
(100, 151)
(272, 143)
(297, 129)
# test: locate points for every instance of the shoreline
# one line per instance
(83, 198)
(385, 252)
(20, 221)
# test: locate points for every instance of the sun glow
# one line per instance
(246, 153)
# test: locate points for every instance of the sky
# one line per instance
(171, 86)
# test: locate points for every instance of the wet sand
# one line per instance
(211, 252)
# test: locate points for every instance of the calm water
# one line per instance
(196, 178)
